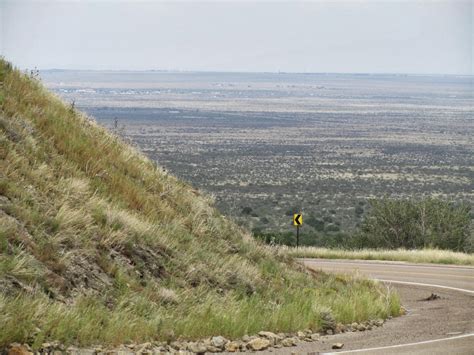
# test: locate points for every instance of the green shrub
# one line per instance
(414, 224)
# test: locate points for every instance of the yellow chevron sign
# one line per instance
(297, 219)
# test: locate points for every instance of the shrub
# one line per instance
(413, 224)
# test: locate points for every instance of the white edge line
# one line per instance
(402, 345)
(427, 285)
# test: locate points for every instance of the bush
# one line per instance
(359, 211)
(316, 223)
(413, 224)
(332, 228)
(246, 210)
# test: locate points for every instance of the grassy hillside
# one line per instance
(99, 245)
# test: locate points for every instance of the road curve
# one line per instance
(454, 276)
(444, 326)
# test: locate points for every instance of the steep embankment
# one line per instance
(99, 245)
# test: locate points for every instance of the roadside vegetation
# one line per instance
(98, 245)
(434, 256)
(416, 224)
(422, 231)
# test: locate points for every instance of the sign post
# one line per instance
(297, 222)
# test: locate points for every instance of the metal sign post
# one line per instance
(297, 236)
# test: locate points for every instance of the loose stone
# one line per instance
(232, 346)
(258, 344)
(218, 342)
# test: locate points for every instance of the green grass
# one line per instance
(434, 256)
(99, 245)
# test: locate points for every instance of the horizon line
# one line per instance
(248, 72)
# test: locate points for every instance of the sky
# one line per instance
(416, 37)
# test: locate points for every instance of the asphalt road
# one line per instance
(443, 326)
(444, 275)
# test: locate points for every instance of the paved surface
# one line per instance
(442, 326)
(444, 275)
(427, 327)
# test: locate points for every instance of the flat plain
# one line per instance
(268, 145)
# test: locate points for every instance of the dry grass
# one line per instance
(98, 245)
(414, 256)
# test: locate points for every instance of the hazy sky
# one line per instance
(318, 36)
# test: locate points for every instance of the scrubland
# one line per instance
(267, 145)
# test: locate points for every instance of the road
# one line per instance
(442, 326)
(461, 277)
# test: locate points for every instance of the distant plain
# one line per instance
(267, 145)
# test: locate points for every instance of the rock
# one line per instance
(361, 327)
(246, 338)
(314, 337)
(258, 344)
(18, 349)
(270, 336)
(118, 352)
(267, 334)
(432, 297)
(354, 325)
(213, 349)
(143, 348)
(378, 322)
(232, 346)
(337, 345)
(177, 345)
(301, 335)
(46, 346)
(286, 342)
(197, 348)
(218, 342)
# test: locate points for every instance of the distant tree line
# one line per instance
(396, 223)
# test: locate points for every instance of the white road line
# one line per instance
(427, 285)
(417, 343)
(401, 345)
